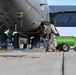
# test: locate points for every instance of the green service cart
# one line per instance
(64, 42)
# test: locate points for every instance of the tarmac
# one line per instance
(37, 62)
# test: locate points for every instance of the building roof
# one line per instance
(65, 16)
(54, 9)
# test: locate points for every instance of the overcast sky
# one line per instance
(62, 2)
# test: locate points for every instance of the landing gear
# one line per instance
(23, 42)
(16, 41)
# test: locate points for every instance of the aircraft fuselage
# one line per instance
(26, 14)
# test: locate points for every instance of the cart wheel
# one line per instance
(75, 48)
(65, 47)
(58, 47)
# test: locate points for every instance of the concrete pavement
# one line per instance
(37, 63)
(32, 64)
(70, 63)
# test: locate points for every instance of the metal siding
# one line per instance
(65, 20)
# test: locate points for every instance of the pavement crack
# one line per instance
(63, 64)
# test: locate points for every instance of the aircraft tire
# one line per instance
(16, 41)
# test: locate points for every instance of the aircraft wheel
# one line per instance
(65, 47)
(59, 47)
(75, 48)
(16, 41)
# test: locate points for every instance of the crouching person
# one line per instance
(54, 32)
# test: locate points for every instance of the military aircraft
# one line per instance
(24, 18)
